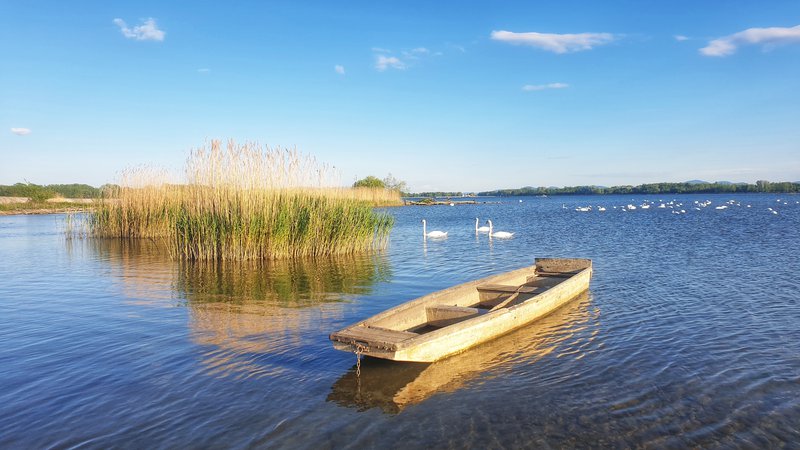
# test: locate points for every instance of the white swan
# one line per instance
(483, 229)
(432, 234)
(498, 234)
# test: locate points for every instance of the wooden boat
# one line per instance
(392, 386)
(450, 321)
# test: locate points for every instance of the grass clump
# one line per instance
(244, 202)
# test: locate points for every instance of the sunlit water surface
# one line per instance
(689, 336)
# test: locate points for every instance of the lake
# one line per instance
(688, 336)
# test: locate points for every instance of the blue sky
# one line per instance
(444, 95)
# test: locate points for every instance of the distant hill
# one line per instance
(736, 183)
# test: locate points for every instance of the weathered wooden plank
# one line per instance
(373, 336)
(562, 264)
(444, 315)
(505, 288)
(505, 302)
(556, 274)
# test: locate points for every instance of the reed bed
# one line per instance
(245, 202)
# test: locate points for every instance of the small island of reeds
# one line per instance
(244, 202)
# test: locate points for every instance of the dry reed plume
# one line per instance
(245, 202)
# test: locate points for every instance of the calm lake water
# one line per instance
(688, 336)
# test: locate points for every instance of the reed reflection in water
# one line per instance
(240, 312)
(392, 386)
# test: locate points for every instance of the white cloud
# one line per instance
(541, 87)
(719, 47)
(21, 131)
(147, 31)
(681, 38)
(381, 50)
(204, 70)
(556, 43)
(768, 37)
(339, 69)
(383, 62)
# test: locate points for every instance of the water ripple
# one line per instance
(687, 338)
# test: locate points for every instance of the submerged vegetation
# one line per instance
(244, 202)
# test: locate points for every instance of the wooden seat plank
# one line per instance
(444, 315)
(373, 336)
(555, 274)
(506, 288)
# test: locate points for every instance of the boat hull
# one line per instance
(400, 333)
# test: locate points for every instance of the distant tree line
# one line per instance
(761, 186)
(434, 194)
(389, 182)
(43, 192)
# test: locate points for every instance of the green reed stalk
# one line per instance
(242, 202)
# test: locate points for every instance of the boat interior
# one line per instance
(490, 297)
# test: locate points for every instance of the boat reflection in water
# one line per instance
(242, 312)
(392, 386)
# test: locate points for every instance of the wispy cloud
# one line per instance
(681, 38)
(147, 31)
(339, 69)
(403, 58)
(768, 37)
(203, 70)
(459, 48)
(415, 53)
(556, 43)
(383, 62)
(542, 87)
(21, 131)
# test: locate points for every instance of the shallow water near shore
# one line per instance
(688, 336)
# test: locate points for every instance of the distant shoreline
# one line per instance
(688, 187)
(10, 206)
(692, 187)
